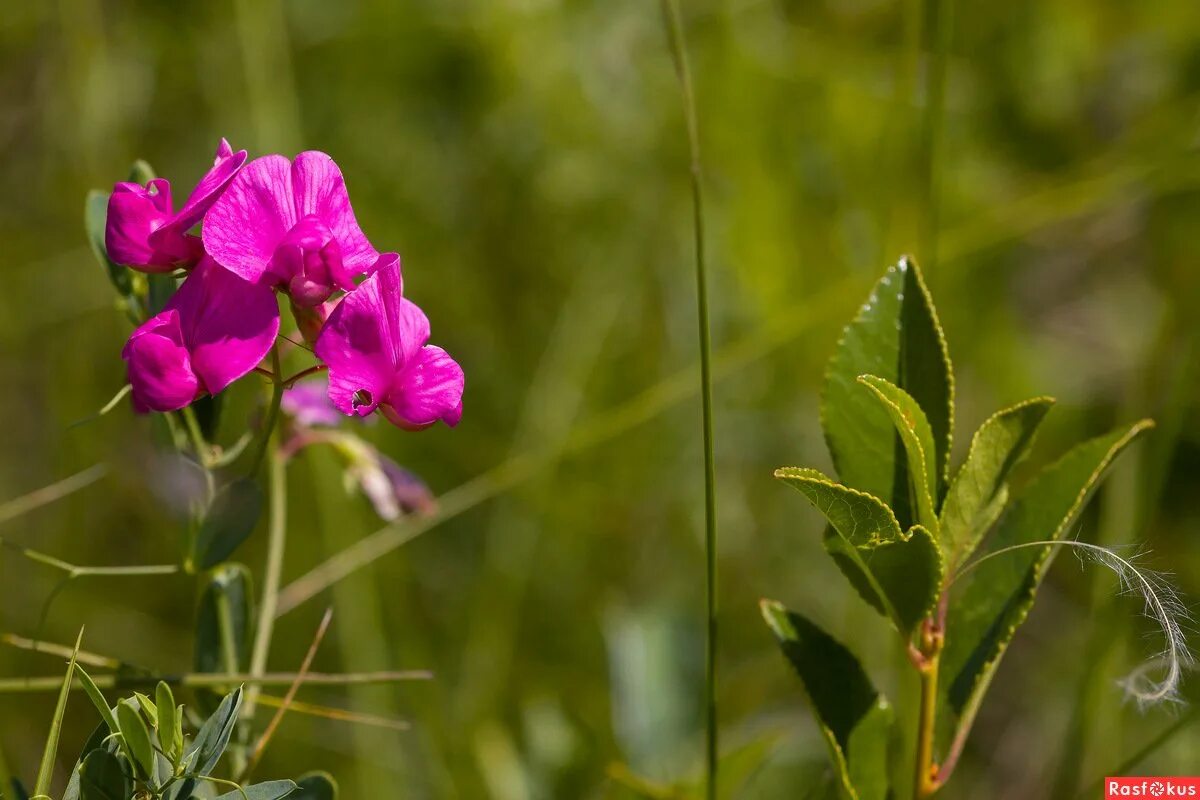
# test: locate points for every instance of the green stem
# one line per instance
(214, 680)
(925, 779)
(276, 545)
(272, 418)
(76, 571)
(683, 72)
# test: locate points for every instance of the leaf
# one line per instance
(271, 790)
(225, 619)
(95, 219)
(895, 336)
(998, 594)
(316, 786)
(148, 708)
(206, 749)
(855, 719)
(999, 444)
(137, 737)
(900, 579)
(858, 516)
(231, 519)
(141, 172)
(167, 721)
(46, 769)
(97, 697)
(102, 776)
(917, 438)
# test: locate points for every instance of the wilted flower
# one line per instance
(375, 345)
(289, 224)
(308, 403)
(144, 232)
(215, 329)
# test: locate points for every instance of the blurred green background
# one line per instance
(528, 160)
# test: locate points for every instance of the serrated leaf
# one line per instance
(997, 596)
(271, 790)
(102, 776)
(164, 701)
(230, 520)
(899, 579)
(859, 517)
(137, 737)
(917, 437)
(95, 219)
(898, 573)
(895, 336)
(206, 749)
(855, 719)
(316, 786)
(971, 505)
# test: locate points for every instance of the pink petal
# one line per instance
(251, 218)
(308, 403)
(364, 341)
(134, 213)
(160, 370)
(210, 187)
(428, 389)
(319, 189)
(228, 324)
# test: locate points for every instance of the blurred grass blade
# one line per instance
(41, 787)
(16, 507)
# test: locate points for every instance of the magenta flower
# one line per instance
(290, 224)
(375, 345)
(144, 232)
(215, 329)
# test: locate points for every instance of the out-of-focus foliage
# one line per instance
(527, 159)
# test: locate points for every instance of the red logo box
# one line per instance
(1151, 787)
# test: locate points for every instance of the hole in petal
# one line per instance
(361, 398)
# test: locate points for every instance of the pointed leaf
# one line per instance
(231, 519)
(999, 444)
(859, 517)
(148, 708)
(206, 749)
(137, 737)
(316, 786)
(271, 790)
(895, 336)
(854, 718)
(97, 698)
(165, 702)
(917, 438)
(46, 770)
(997, 595)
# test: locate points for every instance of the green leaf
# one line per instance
(971, 506)
(231, 519)
(46, 769)
(102, 776)
(225, 620)
(141, 172)
(898, 573)
(95, 218)
(899, 579)
(917, 438)
(148, 708)
(97, 698)
(895, 336)
(271, 790)
(136, 736)
(206, 749)
(859, 517)
(998, 594)
(316, 786)
(167, 721)
(855, 719)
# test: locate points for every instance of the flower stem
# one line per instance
(276, 544)
(927, 779)
(674, 25)
(272, 418)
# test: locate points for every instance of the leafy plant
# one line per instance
(903, 528)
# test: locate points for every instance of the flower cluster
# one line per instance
(274, 226)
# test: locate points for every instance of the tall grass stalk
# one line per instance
(683, 71)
